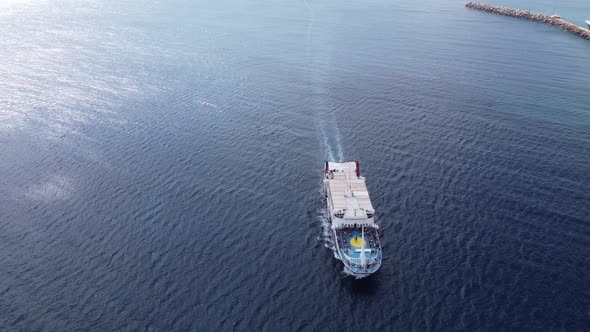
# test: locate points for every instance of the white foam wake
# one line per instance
(317, 69)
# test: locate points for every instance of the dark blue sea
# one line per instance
(161, 165)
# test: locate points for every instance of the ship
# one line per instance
(352, 219)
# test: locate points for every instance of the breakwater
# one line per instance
(525, 14)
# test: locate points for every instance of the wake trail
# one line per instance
(316, 69)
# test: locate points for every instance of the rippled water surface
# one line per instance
(161, 165)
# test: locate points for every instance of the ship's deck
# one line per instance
(342, 178)
(351, 246)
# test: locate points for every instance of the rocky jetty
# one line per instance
(553, 20)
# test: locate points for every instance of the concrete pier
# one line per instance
(541, 18)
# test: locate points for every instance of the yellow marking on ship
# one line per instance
(357, 242)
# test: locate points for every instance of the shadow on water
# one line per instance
(367, 286)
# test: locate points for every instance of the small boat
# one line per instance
(352, 220)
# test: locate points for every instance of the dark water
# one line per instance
(161, 165)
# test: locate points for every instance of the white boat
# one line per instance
(588, 22)
(352, 218)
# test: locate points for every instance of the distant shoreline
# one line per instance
(553, 20)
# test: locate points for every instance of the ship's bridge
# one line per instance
(347, 194)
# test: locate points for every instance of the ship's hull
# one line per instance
(357, 270)
(351, 216)
(340, 255)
